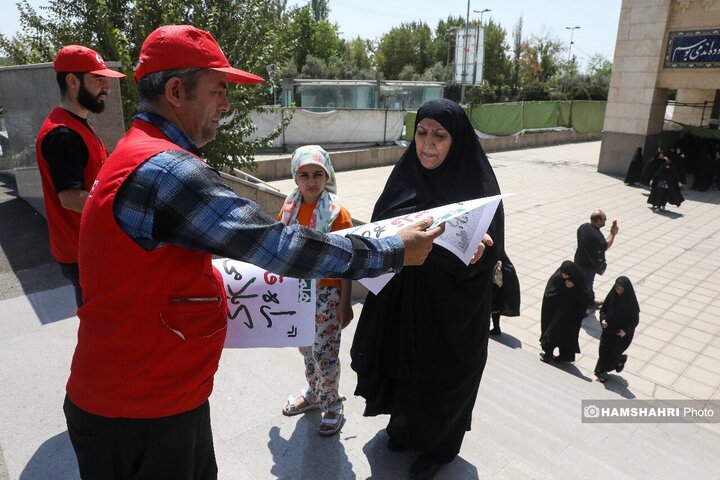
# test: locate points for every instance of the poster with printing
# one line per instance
(465, 224)
(265, 309)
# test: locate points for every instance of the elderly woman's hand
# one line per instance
(487, 241)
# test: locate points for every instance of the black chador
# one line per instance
(620, 313)
(421, 344)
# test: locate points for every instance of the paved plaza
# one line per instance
(527, 419)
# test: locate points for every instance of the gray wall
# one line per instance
(27, 94)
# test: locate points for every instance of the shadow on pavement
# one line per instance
(591, 325)
(54, 459)
(507, 340)
(385, 464)
(25, 258)
(618, 385)
(307, 454)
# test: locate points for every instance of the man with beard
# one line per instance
(69, 151)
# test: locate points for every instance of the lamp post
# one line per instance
(481, 12)
(572, 29)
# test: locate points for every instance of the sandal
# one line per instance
(331, 426)
(291, 407)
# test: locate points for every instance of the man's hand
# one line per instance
(418, 242)
(614, 229)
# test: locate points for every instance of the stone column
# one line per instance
(636, 105)
(694, 114)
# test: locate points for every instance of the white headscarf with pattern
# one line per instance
(328, 206)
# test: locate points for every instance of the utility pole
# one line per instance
(465, 50)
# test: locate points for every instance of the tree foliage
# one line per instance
(304, 35)
(408, 44)
(247, 31)
(497, 66)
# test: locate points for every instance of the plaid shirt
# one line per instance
(174, 198)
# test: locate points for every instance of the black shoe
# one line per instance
(621, 365)
(395, 447)
(495, 331)
(602, 377)
(546, 357)
(427, 466)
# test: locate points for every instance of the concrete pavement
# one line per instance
(526, 423)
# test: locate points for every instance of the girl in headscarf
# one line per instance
(421, 344)
(315, 204)
(619, 315)
(634, 172)
(665, 187)
(563, 308)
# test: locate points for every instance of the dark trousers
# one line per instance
(178, 447)
(72, 273)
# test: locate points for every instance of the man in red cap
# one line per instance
(69, 151)
(154, 319)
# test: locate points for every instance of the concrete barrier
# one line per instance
(278, 167)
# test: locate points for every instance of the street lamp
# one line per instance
(572, 29)
(481, 12)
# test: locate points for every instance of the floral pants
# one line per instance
(322, 362)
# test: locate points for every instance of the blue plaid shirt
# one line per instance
(174, 198)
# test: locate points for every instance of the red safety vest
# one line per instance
(153, 324)
(64, 224)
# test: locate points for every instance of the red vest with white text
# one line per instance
(64, 224)
(153, 323)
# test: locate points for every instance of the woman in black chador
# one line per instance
(652, 167)
(421, 344)
(562, 312)
(665, 187)
(634, 172)
(619, 315)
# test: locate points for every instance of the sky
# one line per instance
(598, 21)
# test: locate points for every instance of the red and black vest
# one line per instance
(64, 224)
(153, 323)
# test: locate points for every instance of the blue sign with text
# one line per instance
(695, 49)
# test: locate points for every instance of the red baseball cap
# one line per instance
(183, 46)
(76, 58)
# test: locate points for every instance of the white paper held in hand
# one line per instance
(465, 224)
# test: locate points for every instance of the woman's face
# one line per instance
(432, 143)
(619, 289)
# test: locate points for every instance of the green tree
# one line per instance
(307, 36)
(444, 39)
(497, 66)
(408, 44)
(598, 66)
(357, 51)
(320, 9)
(517, 53)
(247, 30)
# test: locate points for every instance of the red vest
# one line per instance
(64, 224)
(153, 324)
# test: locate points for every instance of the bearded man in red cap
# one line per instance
(69, 151)
(153, 322)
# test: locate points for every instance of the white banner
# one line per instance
(466, 223)
(469, 55)
(265, 309)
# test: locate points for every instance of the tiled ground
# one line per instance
(671, 257)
